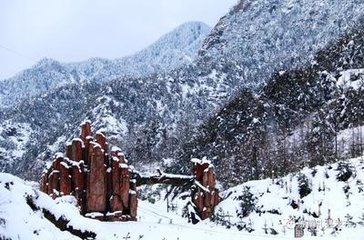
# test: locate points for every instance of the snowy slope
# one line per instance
(171, 51)
(19, 219)
(260, 37)
(22, 214)
(335, 207)
(14, 140)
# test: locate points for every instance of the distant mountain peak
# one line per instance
(44, 62)
(171, 51)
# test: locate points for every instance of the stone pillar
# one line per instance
(205, 202)
(57, 162)
(115, 176)
(101, 139)
(69, 151)
(122, 158)
(77, 149)
(78, 182)
(65, 179)
(53, 184)
(133, 205)
(44, 182)
(85, 130)
(124, 184)
(103, 188)
(198, 200)
(116, 204)
(211, 178)
(86, 152)
(96, 197)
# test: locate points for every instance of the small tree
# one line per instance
(304, 187)
(345, 171)
(247, 204)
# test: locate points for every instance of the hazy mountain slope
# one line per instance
(171, 51)
(137, 114)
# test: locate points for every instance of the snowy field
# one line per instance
(273, 209)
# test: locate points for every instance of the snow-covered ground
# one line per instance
(276, 204)
(331, 207)
(19, 221)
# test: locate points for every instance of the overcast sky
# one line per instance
(75, 30)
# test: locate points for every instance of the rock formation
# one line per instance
(105, 186)
(101, 184)
(205, 197)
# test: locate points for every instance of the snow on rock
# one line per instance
(115, 149)
(18, 220)
(351, 78)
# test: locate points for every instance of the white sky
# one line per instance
(75, 30)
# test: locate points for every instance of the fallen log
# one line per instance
(163, 178)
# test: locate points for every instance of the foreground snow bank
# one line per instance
(17, 219)
(24, 214)
(327, 200)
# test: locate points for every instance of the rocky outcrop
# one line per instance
(102, 184)
(105, 186)
(206, 195)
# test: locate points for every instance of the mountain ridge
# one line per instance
(163, 112)
(170, 51)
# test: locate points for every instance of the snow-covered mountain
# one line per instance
(326, 201)
(155, 117)
(301, 117)
(171, 51)
(260, 37)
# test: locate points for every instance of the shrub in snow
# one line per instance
(346, 190)
(345, 171)
(304, 187)
(222, 218)
(294, 205)
(247, 204)
(150, 194)
(349, 221)
(360, 186)
(361, 222)
(314, 171)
